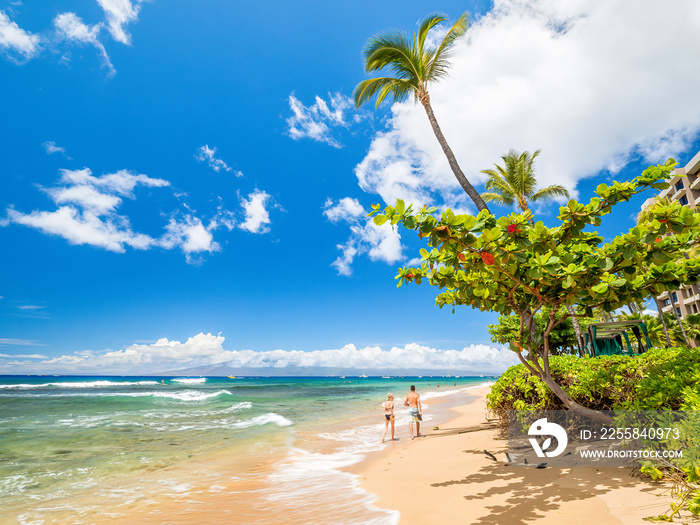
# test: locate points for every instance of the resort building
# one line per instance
(684, 188)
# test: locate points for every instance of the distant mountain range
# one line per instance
(225, 369)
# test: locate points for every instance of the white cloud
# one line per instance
(14, 39)
(316, 121)
(70, 27)
(257, 217)
(51, 148)
(85, 227)
(381, 243)
(18, 342)
(191, 236)
(346, 209)
(206, 154)
(88, 214)
(591, 83)
(119, 13)
(30, 307)
(202, 349)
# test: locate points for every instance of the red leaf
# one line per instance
(487, 258)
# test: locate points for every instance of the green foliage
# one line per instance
(660, 379)
(562, 338)
(508, 265)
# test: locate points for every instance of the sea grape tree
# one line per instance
(512, 265)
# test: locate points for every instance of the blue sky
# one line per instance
(182, 185)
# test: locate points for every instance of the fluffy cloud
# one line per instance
(206, 154)
(202, 349)
(592, 84)
(15, 40)
(71, 28)
(119, 13)
(257, 217)
(380, 243)
(88, 214)
(316, 121)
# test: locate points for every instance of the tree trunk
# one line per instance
(663, 321)
(577, 328)
(572, 405)
(461, 178)
(566, 398)
(678, 319)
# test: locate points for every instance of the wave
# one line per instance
(191, 395)
(264, 419)
(79, 384)
(243, 405)
(191, 380)
(337, 495)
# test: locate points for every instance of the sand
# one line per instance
(445, 478)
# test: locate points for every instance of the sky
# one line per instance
(183, 185)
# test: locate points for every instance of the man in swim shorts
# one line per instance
(415, 411)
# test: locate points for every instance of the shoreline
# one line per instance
(445, 477)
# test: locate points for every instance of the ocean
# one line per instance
(87, 450)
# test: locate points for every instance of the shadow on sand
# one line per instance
(527, 494)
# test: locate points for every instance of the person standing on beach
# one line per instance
(415, 411)
(388, 416)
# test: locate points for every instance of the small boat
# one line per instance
(341, 377)
(386, 377)
(231, 377)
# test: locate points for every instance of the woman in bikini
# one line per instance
(388, 416)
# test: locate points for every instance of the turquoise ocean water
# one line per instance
(195, 450)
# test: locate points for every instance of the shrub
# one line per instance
(660, 379)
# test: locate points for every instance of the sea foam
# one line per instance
(190, 380)
(79, 384)
(263, 419)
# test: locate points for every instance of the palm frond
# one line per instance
(497, 197)
(426, 25)
(439, 66)
(382, 87)
(394, 51)
(550, 192)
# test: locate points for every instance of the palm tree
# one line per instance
(659, 308)
(692, 328)
(516, 184)
(414, 66)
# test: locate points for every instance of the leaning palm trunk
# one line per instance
(678, 319)
(663, 321)
(461, 178)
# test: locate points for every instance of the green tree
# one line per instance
(414, 66)
(657, 211)
(509, 265)
(562, 339)
(515, 183)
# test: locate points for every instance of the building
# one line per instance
(684, 188)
